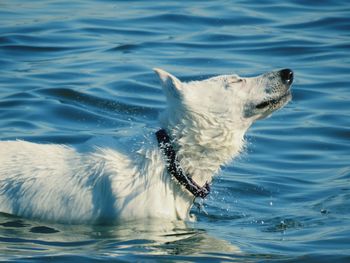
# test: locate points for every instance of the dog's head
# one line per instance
(228, 97)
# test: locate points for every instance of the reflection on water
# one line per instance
(151, 237)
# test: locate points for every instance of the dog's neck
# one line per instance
(175, 170)
(204, 144)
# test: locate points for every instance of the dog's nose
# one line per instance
(287, 76)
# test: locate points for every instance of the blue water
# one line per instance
(71, 70)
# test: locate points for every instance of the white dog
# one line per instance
(154, 175)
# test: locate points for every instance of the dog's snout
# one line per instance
(287, 76)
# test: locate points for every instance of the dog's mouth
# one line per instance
(266, 107)
(275, 103)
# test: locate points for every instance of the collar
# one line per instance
(175, 169)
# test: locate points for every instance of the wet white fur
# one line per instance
(110, 179)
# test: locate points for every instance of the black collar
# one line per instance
(175, 169)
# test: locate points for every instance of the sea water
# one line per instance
(72, 70)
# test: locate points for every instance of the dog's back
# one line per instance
(103, 180)
(36, 181)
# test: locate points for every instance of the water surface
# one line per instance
(72, 70)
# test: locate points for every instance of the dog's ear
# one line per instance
(171, 84)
